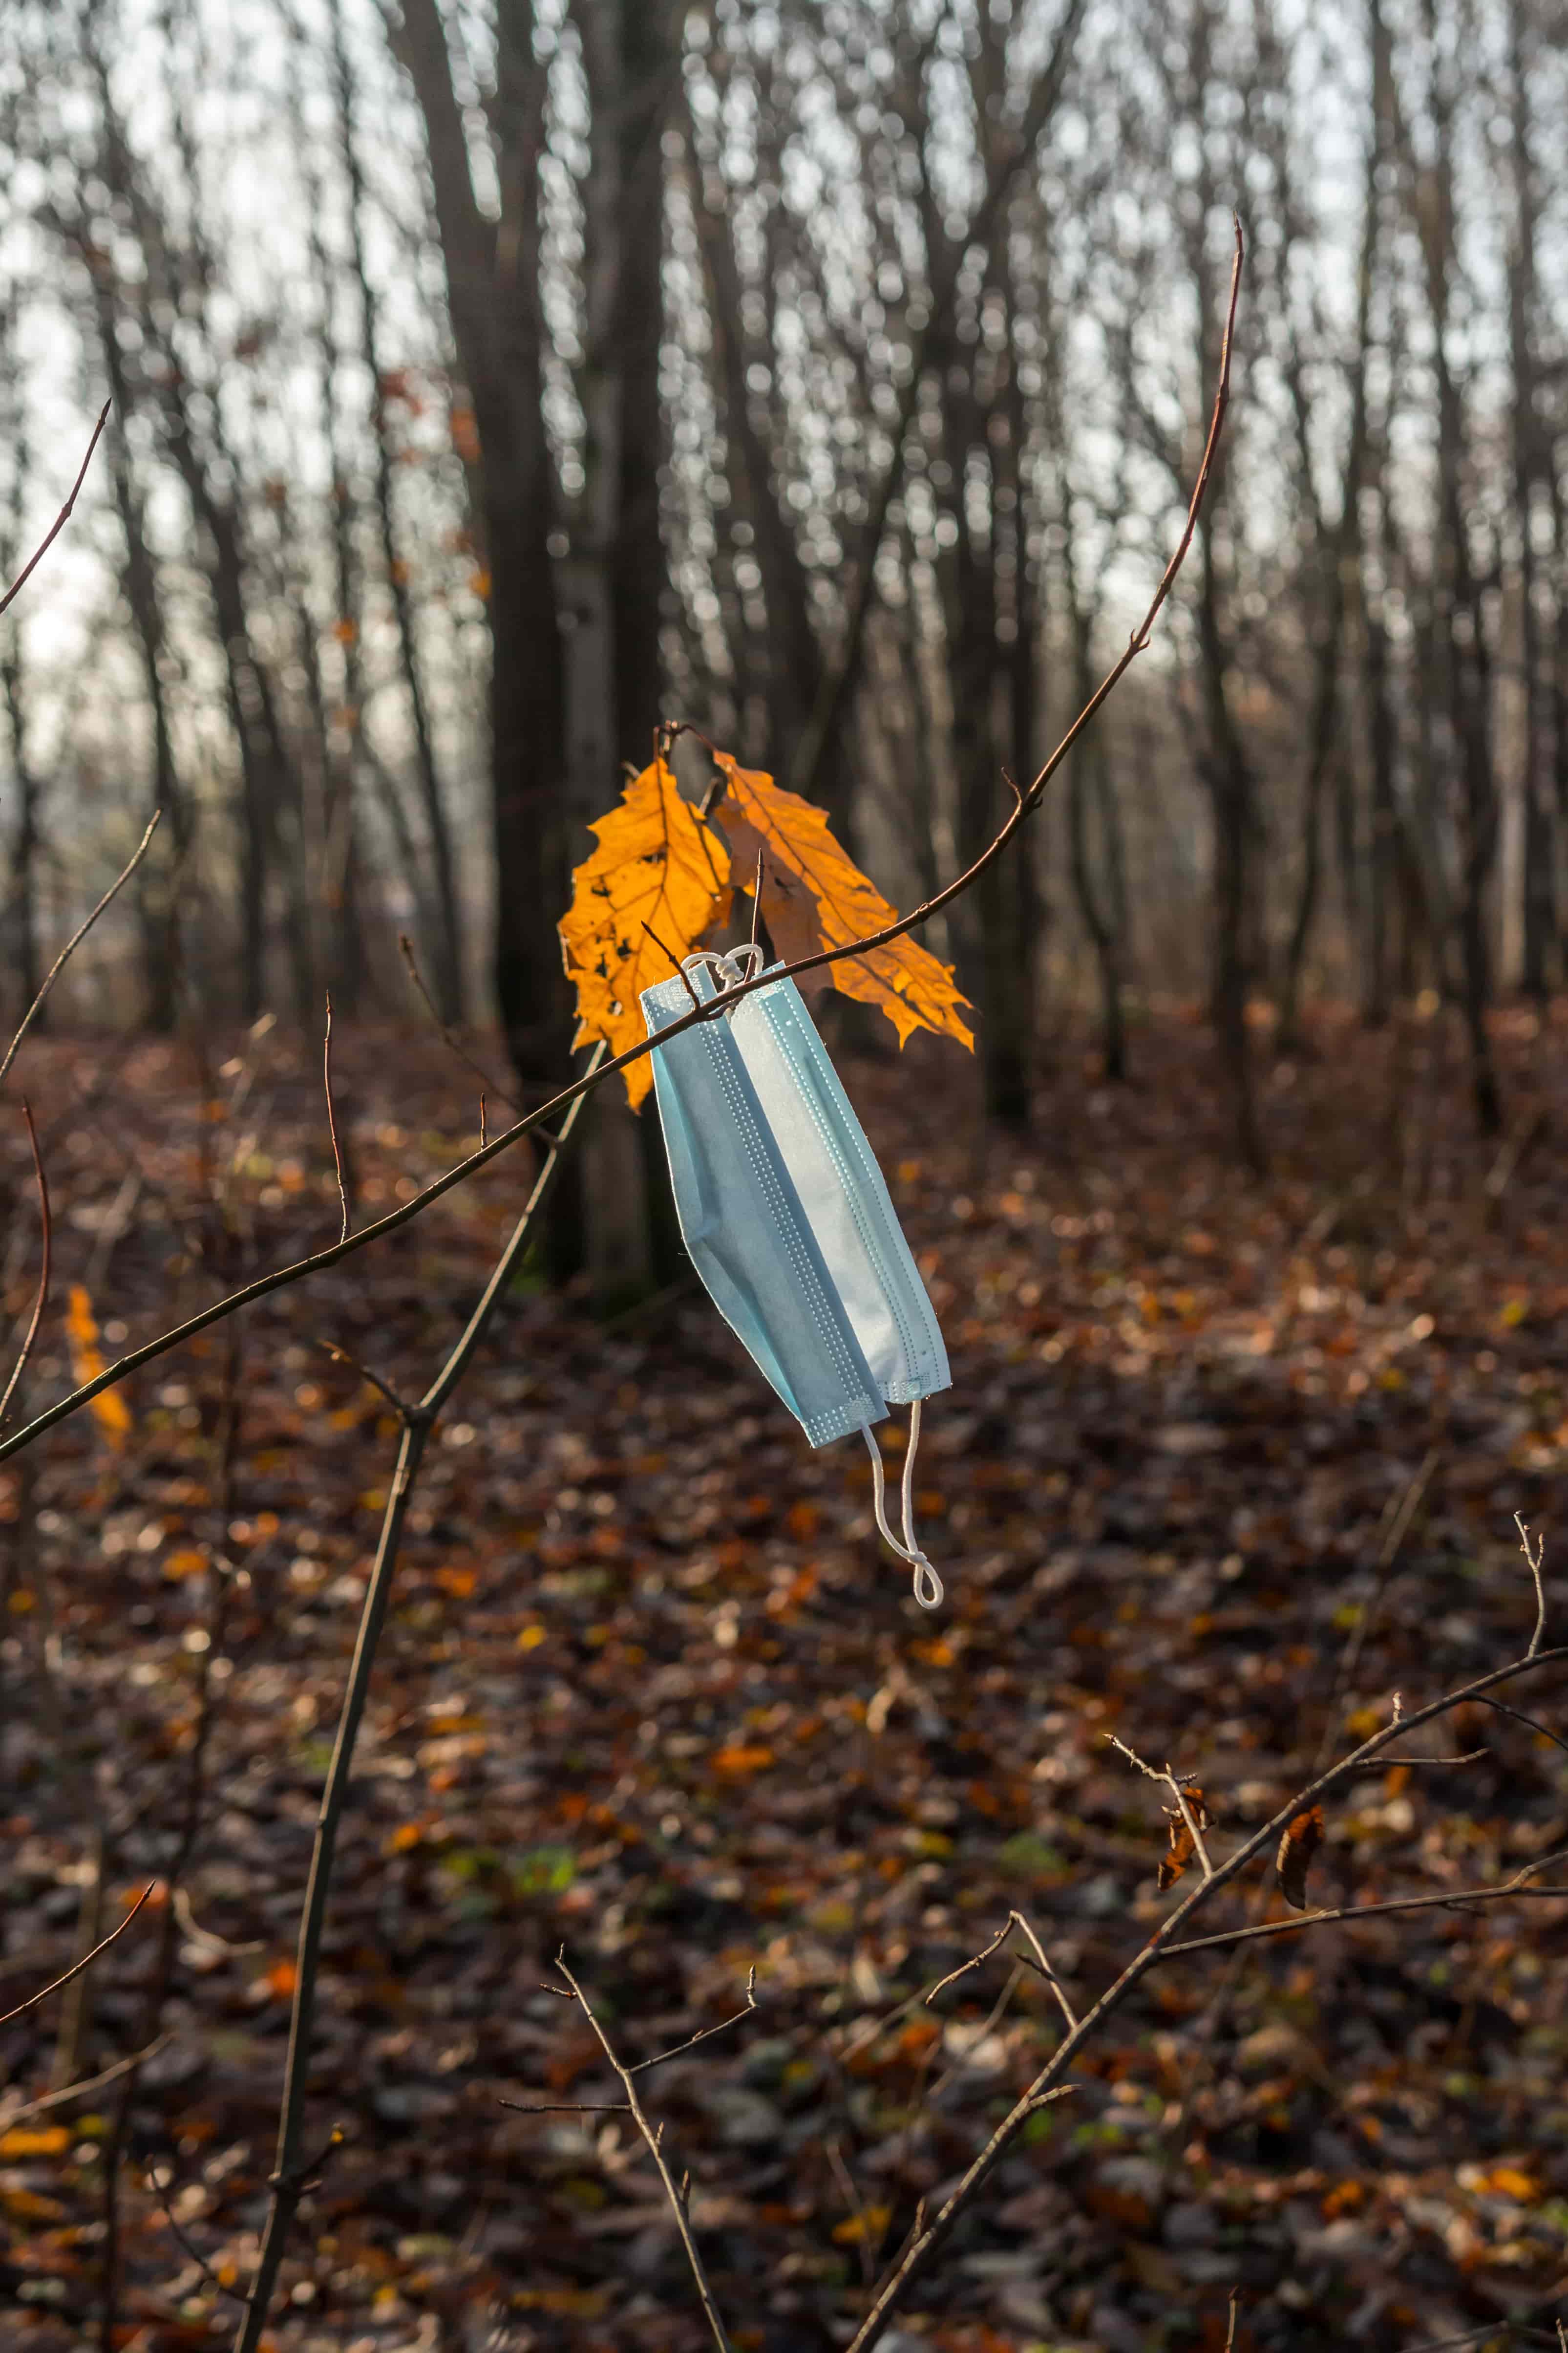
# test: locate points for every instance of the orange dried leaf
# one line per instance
(1511, 2181)
(1302, 1838)
(1181, 1846)
(657, 864)
(51, 2140)
(738, 1759)
(815, 896)
(867, 2226)
(109, 1411)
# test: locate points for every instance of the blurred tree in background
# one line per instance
(490, 379)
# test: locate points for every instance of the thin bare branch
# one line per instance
(693, 2040)
(676, 2196)
(75, 939)
(757, 898)
(964, 1967)
(86, 1961)
(1016, 1919)
(47, 1223)
(178, 2234)
(898, 2280)
(333, 1122)
(402, 1411)
(684, 977)
(59, 524)
(1359, 1911)
(717, 1008)
(1533, 1722)
(1535, 1556)
(454, 1044)
(70, 2092)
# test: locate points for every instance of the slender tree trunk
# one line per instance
(492, 287)
(446, 947)
(1539, 894)
(23, 924)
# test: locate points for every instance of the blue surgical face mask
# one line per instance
(788, 1221)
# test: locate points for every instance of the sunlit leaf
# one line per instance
(109, 1410)
(815, 896)
(658, 867)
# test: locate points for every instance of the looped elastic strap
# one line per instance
(729, 967)
(928, 1585)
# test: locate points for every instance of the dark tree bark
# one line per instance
(492, 290)
(446, 942)
(22, 927)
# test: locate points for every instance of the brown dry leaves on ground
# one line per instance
(651, 1688)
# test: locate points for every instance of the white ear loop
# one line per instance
(928, 1585)
(729, 966)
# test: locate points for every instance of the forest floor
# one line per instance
(1224, 1465)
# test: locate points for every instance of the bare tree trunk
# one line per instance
(492, 286)
(1339, 560)
(446, 946)
(156, 882)
(1088, 773)
(1540, 892)
(1462, 620)
(23, 913)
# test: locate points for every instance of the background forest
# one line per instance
(489, 381)
(487, 384)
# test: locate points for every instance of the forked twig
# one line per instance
(678, 2200)
(1168, 1781)
(1535, 1559)
(46, 1222)
(60, 520)
(77, 937)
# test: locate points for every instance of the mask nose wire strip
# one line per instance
(928, 1585)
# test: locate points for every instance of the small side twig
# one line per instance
(46, 1222)
(1168, 1781)
(684, 975)
(757, 898)
(70, 2092)
(403, 1411)
(406, 949)
(61, 520)
(185, 2243)
(77, 937)
(333, 1122)
(1535, 1555)
(702, 2036)
(1016, 1919)
(676, 2195)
